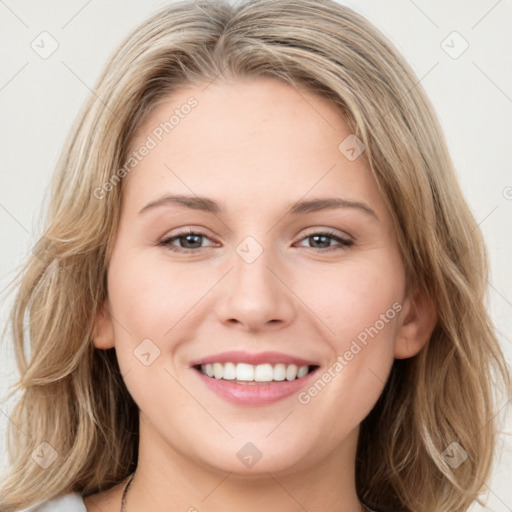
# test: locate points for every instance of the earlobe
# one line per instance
(104, 331)
(418, 323)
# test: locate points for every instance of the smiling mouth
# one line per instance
(243, 373)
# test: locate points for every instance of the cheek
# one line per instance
(362, 306)
(359, 304)
(147, 306)
(356, 301)
(147, 298)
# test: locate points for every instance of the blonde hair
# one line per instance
(73, 396)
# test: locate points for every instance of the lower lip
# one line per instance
(255, 394)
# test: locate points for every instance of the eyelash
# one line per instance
(325, 233)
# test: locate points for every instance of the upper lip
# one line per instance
(238, 356)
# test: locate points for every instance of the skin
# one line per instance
(254, 146)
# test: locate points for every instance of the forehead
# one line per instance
(257, 140)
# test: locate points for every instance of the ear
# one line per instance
(104, 330)
(419, 318)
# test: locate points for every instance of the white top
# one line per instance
(72, 502)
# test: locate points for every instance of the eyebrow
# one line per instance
(298, 208)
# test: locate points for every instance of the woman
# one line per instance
(259, 286)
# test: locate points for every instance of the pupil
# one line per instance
(188, 237)
(316, 237)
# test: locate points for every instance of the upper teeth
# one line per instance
(249, 372)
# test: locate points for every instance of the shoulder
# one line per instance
(72, 502)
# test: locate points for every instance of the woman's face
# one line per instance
(258, 168)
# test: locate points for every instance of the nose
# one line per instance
(255, 295)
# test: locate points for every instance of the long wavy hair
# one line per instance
(72, 395)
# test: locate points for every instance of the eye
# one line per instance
(325, 237)
(188, 240)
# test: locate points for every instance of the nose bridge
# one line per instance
(253, 295)
(251, 268)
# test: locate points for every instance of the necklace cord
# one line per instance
(123, 497)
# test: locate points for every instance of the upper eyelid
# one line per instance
(180, 234)
(308, 232)
(329, 232)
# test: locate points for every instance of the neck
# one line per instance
(164, 476)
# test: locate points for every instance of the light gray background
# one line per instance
(472, 94)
